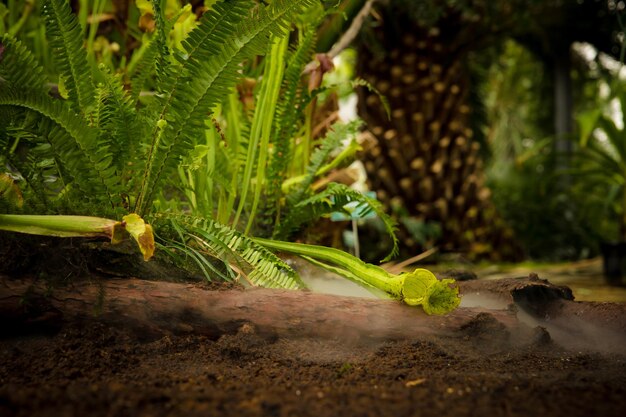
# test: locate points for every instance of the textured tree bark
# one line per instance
(521, 311)
(423, 159)
(156, 308)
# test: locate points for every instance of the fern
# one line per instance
(304, 207)
(202, 42)
(294, 217)
(33, 167)
(337, 133)
(260, 266)
(206, 82)
(360, 82)
(19, 66)
(66, 39)
(339, 196)
(72, 141)
(142, 66)
(93, 143)
(118, 123)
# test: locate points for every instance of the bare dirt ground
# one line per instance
(88, 368)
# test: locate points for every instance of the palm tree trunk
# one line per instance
(424, 160)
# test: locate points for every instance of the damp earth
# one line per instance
(92, 369)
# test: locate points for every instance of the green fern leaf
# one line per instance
(18, 66)
(117, 123)
(73, 142)
(334, 198)
(66, 39)
(262, 267)
(27, 160)
(205, 83)
(332, 141)
(360, 82)
(143, 64)
(295, 217)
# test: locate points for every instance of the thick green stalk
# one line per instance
(60, 226)
(305, 147)
(419, 287)
(205, 183)
(83, 226)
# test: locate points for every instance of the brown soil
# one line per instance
(91, 369)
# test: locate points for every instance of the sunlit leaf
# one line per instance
(142, 233)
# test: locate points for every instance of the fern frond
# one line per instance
(66, 39)
(143, 63)
(337, 133)
(22, 153)
(160, 39)
(213, 29)
(153, 53)
(215, 26)
(295, 213)
(334, 198)
(211, 79)
(117, 122)
(74, 143)
(261, 266)
(18, 66)
(360, 82)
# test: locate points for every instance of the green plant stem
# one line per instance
(96, 11)
(28, 9)
(205, 182)
(306, 138)
(262, 126)
(274, 79)
(60, 226)
(233, 121)
(83, 226)
(419, 287)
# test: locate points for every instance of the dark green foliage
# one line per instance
(288, 121)
(66, 40)
(334, 198)
(106, 157)
(72, 144)
(19, 66)
(550, 224)
(201, 237)
(203, 80)
(304, 205)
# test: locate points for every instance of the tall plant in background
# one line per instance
(548, 220)
(601, 163)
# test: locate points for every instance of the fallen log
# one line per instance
(156, 308)
(526, 311)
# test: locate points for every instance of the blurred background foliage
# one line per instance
(524, 72)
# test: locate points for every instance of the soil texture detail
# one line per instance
(479, 368)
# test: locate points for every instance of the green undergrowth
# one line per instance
(206, 157)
